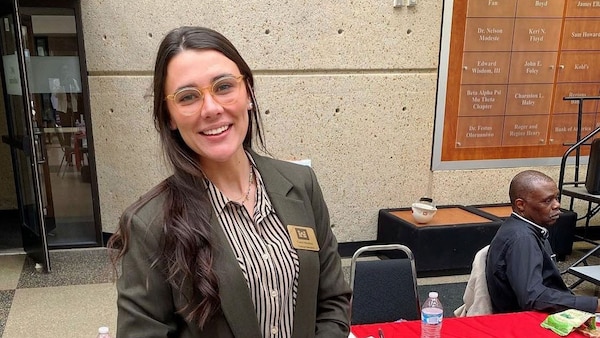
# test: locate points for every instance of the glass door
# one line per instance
(46, 104)
(24, 135)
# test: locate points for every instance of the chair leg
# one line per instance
(62, 160)
(66, 159)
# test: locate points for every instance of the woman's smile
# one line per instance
(216, 131)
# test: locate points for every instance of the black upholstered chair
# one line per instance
(384, 290)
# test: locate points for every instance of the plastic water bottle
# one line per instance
(432, 314)
(103, 332)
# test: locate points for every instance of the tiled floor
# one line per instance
(72, 301)
(79, 295)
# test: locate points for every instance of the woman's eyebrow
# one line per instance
(213, 80)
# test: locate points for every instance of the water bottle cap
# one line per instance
(103, 329)
(433, 294)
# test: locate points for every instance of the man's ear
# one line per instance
(520, 204)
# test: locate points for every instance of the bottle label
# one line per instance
(432, 318)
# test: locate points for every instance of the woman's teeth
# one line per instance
(215, 131)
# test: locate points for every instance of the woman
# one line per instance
(233, 244)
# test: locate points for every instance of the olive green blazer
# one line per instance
(147, 304)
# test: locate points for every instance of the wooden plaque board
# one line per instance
(510, 63)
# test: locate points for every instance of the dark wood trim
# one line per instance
(48, 3)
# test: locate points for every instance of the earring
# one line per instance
(250, 105)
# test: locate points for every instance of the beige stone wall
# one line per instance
(350, 85)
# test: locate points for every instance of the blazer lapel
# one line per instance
(293, 211)
(236, 303)
(290, 209)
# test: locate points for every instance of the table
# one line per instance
(79, 141)
(580, 192)
(590, 273)
(508, 325)
(447, 244)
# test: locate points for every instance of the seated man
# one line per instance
(520, 272)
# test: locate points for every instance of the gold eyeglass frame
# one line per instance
(201, 90)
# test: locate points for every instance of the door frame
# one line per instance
(75, 5)
(100, 238)
(35, 243)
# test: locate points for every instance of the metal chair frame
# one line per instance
(386, 247)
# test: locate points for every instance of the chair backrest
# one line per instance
(476, 298)
(383, 290)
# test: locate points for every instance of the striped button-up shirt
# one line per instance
(264, 251)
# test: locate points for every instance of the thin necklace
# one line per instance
(250, 178)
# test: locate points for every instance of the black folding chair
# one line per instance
(384, 290)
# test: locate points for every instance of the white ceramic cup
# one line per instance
(422, 212)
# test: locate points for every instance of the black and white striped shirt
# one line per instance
(264, 251)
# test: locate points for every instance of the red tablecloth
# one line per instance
(521, 324)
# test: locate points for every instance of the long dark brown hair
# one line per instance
(187, 252)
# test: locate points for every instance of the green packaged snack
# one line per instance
(565, 322)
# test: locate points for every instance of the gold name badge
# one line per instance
(303, 238)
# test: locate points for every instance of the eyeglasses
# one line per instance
(189, 100)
